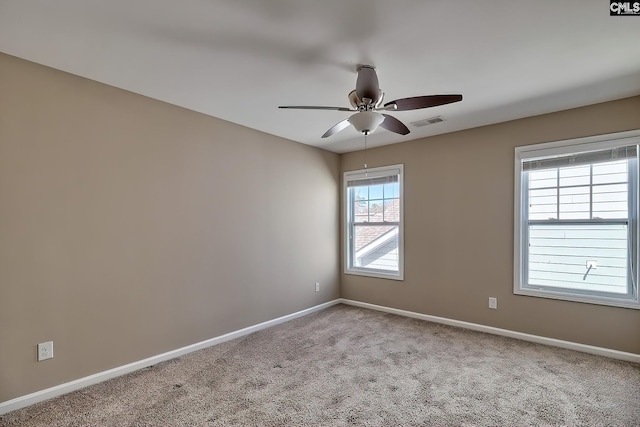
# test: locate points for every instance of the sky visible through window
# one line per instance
(377, 192)
(375, 203)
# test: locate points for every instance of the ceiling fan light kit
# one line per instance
(366, 121)
(366, 101)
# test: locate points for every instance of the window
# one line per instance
(373, 222)
(576, 220)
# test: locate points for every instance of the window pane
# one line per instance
(610, 201)
(541, 179)
(361, 217)
(610, 193)
(543, 204)
(610, 172)
(359, 205)
(543, 212)
(543, 192)
(574, 203)
(575, 211)
(577, 175)
(574, 195)
(391, 191)
(610, 210)
(375, 211)
(392, 210)
(361, 193)
(543, 197)
(375, 192)
(610, 167)
(560, 256)
(376, 247)
(610, 178)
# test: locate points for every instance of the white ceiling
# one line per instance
(239, 59)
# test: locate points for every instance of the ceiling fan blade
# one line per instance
(310, 107)
(417, 102)
(394, 125)
(337, 128)
(367, 85)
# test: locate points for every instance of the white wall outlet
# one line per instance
(493, 303)
(592, 263)
(45, 351)
(317, 286)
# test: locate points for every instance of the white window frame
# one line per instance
(562, 148)
(373, 173)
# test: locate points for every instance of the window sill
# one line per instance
(375, 274)
(612, 302)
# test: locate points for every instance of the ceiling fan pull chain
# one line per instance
(365, 155)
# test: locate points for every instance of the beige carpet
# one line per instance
(351, 366)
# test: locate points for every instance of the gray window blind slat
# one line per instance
(609, 155)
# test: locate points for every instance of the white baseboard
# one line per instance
(600, 351)
(39, 396)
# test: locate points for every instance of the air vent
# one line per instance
(429, 121)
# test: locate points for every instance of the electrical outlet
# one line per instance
(493, 303)
(317, 286)
(45, 351)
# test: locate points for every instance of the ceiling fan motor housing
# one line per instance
(361, 105)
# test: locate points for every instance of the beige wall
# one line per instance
(459, 229)
(130, 227)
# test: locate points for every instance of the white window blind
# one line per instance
(611, 154)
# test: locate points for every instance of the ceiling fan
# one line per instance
(366, 101)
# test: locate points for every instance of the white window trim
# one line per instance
(559, 148)
(373, 172)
